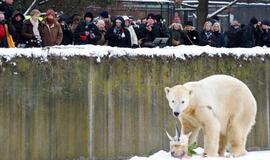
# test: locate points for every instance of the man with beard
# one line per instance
(51, 31)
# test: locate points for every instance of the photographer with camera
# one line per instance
(118, 35)
(31, 30)
(87, 32)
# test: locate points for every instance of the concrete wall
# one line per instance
(80, 109)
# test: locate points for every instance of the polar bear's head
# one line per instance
(178, 97)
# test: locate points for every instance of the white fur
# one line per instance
(222, 106)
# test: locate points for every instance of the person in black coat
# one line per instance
(17, 21)
(233, 35)
(205, 36)
(117, 35)
(248, 34)
(192, 36)
(8, 9)
(263, 38)
(67, 34)
(87, 32)
(218, 37)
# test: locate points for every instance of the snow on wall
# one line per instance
(99, 51)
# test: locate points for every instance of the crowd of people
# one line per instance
(39, 30)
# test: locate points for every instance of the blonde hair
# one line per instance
(218, 25)
(34, 12)
(206, 23)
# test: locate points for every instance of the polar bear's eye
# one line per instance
(183, 102)
(172, 101)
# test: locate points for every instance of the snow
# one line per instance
(161, 1)
(98, 52)
(163, 155)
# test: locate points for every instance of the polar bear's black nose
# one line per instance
(176, 114)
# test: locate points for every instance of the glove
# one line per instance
(83, 37)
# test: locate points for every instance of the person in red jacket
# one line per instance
(3, 40)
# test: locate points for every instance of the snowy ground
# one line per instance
(163, 155)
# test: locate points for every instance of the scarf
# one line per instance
(35, 28)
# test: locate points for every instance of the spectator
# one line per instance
(192, 36)
(133, 36)
(152, 30)
(264, 35)
(87, 32)
(248, 33)
(218, 37)
(205, 35)
(102, 30)
(3, 39)
(67, 34)
(176, 19)
(6, 6)
(51, 32)
(31, 30)
(233, 35)
(176, 34)
(75, 21)
(17, 21)
(162, 28)
(117, 35)
(144, 20)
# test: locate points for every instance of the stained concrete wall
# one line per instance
(80, 109)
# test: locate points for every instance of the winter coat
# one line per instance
(102, 40)
(191, 38)
(51, 35)
(217, 40)
(28, 35)
(80, 36)
(263, 38)
(133, 36)
(176, 37)
(158, 30)
(118, 37)
(205, 38)
(18, 38)
(8, 9)
(233, 37)
(67, 35)
(248, 36)
(3, 39)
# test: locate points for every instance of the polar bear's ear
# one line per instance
(167, 90)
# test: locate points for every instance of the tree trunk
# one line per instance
(202, 12)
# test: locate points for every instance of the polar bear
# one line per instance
(222, 106)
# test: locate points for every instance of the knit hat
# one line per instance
(253, 20)
(104, 14)
(189, 23)
(265, 22)
(89, 14)
(50, 12)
